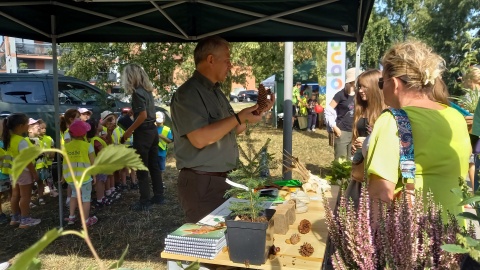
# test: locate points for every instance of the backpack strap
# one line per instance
(407, 162)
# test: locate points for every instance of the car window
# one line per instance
(252, 92)
(78, 94)
(31, 92)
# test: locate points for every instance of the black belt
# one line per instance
(218, 174)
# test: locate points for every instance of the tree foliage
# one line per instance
(446, 25)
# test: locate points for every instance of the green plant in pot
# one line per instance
(249, 228)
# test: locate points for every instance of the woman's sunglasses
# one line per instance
(403, 78)
(380, 83)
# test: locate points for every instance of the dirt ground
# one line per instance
(144, 232)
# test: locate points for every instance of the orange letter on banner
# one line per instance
(336, 55)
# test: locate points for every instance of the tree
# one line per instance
(401, 14)
(376, 41)
(93, 60)
(447, 26)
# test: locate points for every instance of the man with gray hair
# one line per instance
(205, 128)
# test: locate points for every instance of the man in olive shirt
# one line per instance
(205, 128)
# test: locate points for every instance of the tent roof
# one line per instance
(189, 20)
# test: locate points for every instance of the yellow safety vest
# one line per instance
(98, 139)
(62, 138)
(161, 143)
(47, 143)
(2, 154)
(12, 152)
(77, 152)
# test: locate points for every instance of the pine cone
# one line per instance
(304, 226)
(306, 250)
(294, 239)
(262, 100)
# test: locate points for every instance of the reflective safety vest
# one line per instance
(98, 139)
(47, 143)
(2, 155)
(161, 143)
(62, 137)
(77, 152)
(12, 152)
(117, 134)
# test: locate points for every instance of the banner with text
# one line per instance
(335, 68)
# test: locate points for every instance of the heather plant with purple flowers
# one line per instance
(401, 237)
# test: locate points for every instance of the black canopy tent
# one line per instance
(190, 20)
(182, 21)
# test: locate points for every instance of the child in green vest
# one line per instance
(14, 128)
(5, 190)
(46, 173)
(98, 142)
(81, 156)
(164, 138)
(33, 136)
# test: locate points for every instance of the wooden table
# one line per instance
(288, 257)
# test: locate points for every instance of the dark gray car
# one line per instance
(32, 94)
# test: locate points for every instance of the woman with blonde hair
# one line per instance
(368, 107)
(437, 144)
(145, 138)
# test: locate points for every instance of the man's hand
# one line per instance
(246, 115)
(337, 132)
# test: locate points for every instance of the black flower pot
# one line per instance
(249, 242)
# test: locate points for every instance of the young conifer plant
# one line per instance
(251, 173)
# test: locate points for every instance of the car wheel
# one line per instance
(235, 100)
(248, 99)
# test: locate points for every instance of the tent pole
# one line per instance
(56, 104)
(357, 57)
(287, 107)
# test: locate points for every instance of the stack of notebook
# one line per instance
(196, 241)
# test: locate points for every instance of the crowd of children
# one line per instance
(82, 137)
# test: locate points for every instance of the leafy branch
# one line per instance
(109, 160)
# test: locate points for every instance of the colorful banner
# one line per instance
(335, 68)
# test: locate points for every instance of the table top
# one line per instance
(289, 256)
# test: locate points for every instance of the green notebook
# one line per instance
(198, 233)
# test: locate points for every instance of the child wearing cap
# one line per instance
(33, 136)
(108, 122)
(164, 138)
(81, 156)
(85, 114)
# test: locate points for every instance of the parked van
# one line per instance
(32, 94)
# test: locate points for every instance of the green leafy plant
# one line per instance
(340, 171)
(466, 243)
(249, 176)
(470, 100)
(109, 160)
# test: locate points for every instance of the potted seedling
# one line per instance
(249, 227)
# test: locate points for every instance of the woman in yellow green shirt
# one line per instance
(441, 142)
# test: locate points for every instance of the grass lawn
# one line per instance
(144, 232)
